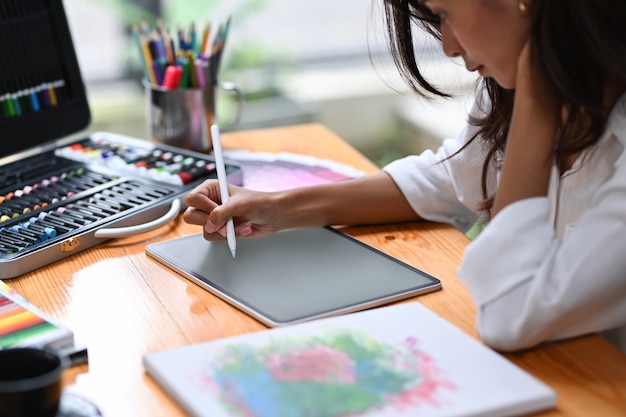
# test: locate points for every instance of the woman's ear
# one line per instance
(523, 5)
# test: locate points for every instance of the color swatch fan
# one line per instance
(22, 324)
(282, 171)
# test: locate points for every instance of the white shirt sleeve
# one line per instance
(442, 188)
(530, 286)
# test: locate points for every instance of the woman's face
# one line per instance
(488, 34)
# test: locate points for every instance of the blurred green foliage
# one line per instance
(182, 13)
(176, 12)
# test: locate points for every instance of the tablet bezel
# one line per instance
(164, 252)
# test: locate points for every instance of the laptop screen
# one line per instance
(42, 95)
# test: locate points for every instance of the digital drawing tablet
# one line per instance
(294, 275)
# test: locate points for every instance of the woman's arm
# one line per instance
(366, 200)
(530, 284)
(529, 152)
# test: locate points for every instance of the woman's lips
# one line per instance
(478, 68)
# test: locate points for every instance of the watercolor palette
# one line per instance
(74, 196)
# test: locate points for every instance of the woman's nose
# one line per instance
(451, 47)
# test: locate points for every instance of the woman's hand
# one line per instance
(534, 92)
(253, 212)
(531, 141)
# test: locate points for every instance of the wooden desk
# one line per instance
(122, 304)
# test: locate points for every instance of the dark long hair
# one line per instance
(581, 45)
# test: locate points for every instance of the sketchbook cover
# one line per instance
(401, 360)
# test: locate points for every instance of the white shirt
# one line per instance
(544, 268)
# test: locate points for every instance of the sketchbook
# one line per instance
(401, 360)
(294, 275)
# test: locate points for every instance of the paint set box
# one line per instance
(58, 195)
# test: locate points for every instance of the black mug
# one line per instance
(30, 382)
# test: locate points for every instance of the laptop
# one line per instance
(59, 196)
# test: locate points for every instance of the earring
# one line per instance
(521, 6)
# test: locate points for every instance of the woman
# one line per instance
(541, 164)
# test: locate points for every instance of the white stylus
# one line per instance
(223, 183)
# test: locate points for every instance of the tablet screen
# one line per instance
(294, 275)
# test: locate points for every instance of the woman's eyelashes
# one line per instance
(439, 14)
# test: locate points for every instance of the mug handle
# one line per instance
(228, 86)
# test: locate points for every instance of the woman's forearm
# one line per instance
(528, 158)
(367, 200)
(530, 145)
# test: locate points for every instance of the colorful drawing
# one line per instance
(343, 372)
(397, 361)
